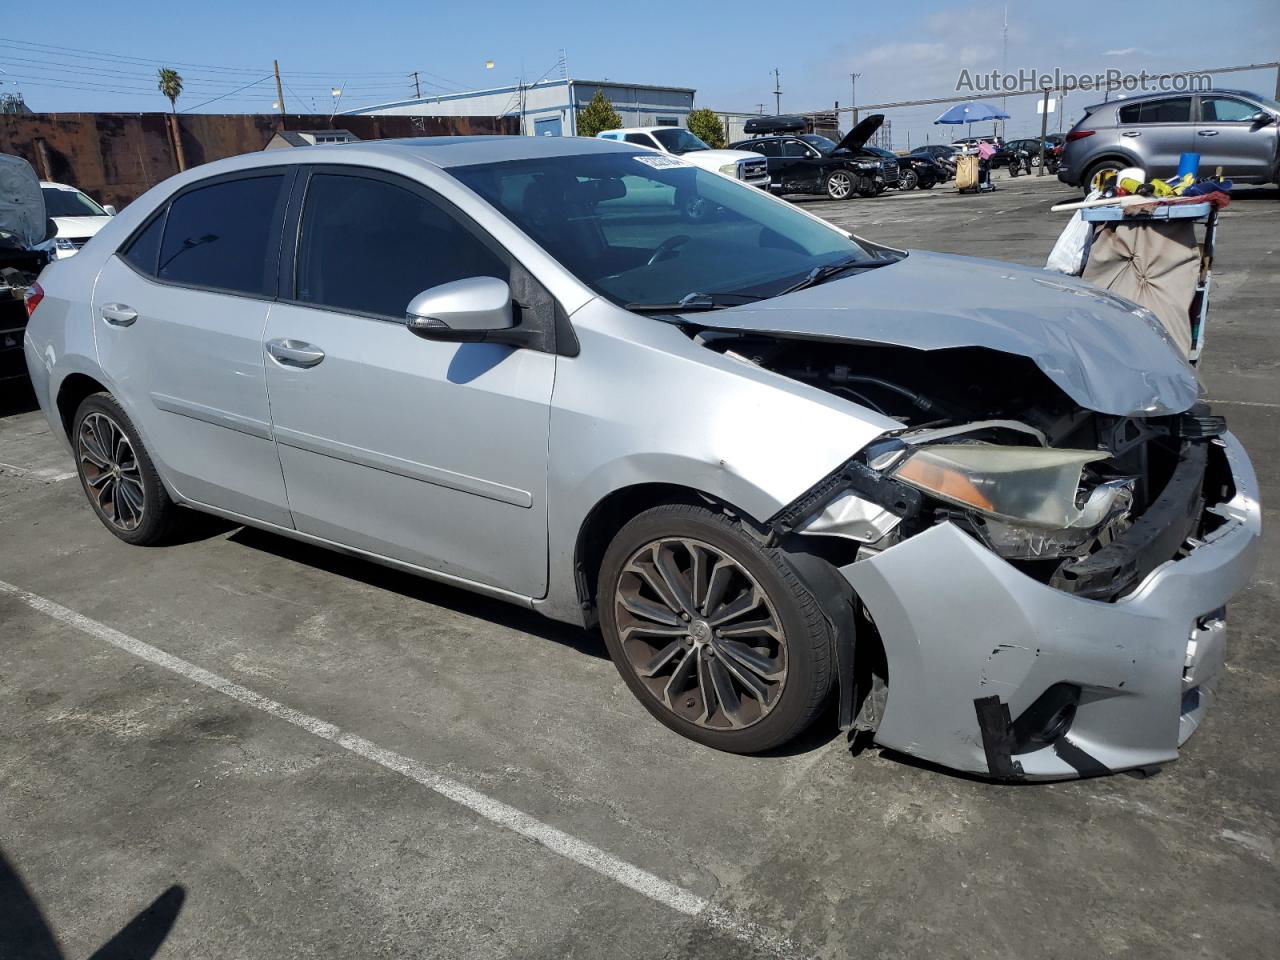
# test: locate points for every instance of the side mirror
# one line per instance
(1261, 118)
(110, 208)
(50, 229)
(474, 310)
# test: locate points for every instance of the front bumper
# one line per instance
(960, 627)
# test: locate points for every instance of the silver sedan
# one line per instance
(976, 505)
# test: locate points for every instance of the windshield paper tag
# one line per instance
(660, 161)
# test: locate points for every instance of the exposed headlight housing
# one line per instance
(63, 243)
(1034, 487)
(730, 169)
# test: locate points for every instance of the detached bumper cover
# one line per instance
(960, 626)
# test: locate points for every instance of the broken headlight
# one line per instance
(1030, 500)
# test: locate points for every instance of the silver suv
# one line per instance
(1232, 129)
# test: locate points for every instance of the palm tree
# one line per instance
(170, 84)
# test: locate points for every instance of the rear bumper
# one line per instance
(961, 628)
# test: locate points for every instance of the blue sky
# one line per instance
(725, 51)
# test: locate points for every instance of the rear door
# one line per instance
(1226, 136)
(1158, 131)
(802, 166)
(428, 452)
(179, 315)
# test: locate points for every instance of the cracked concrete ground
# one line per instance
(119, 779)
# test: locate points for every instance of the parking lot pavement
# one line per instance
(459, 778)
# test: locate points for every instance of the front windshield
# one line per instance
(678, 140)
(645, 228)
(69, 203)
(820, 143)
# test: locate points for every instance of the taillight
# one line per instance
(1079, 134)
(32, 298)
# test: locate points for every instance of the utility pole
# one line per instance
(417, 87)
(760, 108)
(1004, 66)
(275, 65)
(1044, 129)
(777, 91)
(853, 103)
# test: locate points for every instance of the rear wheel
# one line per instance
(118, 476)
(1097, 170)
(716, 635)
(839, 185)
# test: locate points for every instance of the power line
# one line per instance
(225, 95)
(83, 53)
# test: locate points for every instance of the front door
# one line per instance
(179, 315)
(428, 452)
(1227, 136)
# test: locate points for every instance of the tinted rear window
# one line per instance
(145, 247)
(220, 236)
(1173, 110)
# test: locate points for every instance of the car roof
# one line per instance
(1142, 97)
(640, 129)
(59, 186)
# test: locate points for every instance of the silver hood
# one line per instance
(1103, 351)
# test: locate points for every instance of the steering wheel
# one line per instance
(667, 247)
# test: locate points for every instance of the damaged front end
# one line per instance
(1046, 582)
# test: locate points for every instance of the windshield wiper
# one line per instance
(828, 271)
(692, 302)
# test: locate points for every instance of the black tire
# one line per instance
(908, 180)
(838, 185)
(927, 186)
(158, 517)
(805, 647)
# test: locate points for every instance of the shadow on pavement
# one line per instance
(456, 599)
(25, 934)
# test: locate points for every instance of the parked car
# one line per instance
(811, 163)
(980, 506)
(77, 215)
(739, 164)
(941, 153)
(1028, 145)
(1232, 129)
(913, 171)
(26, 242)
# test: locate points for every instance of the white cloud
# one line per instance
(1125, 52)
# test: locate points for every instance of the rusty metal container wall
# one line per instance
(116, 157)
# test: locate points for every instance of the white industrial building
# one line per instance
(550, 108)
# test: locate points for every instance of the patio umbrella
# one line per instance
(971, 113)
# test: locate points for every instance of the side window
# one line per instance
(1225, 110)
(794, 148)
(369, 246)
(1172, 110)
(641, 138)
(143, 250)
(768, 147)
(220, 236)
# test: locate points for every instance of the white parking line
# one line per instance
(570, 847)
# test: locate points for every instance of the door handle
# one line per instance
(1206, 133)
(118, 314)
(294, 353)
(1132, 133)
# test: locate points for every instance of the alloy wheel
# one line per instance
(839, 186)
(110, 470)
(700, 633)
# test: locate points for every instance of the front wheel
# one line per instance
(715, 634)
(839, 185)
(908, 180)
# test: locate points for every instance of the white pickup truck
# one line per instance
(739, 164)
